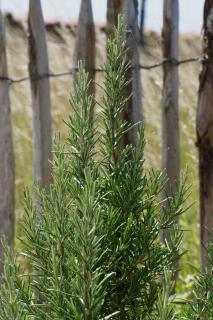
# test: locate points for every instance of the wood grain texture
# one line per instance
(114, 7)
(170, 98)
(40, 91)
(85, 47)
(7, 165)
(170, 153)
(134, 110)
(205, 134)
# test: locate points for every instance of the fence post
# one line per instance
(113, 9)
(40, 91)
(170, 108)
(85, 41)
(205, 134)
(142, 21)
(134, 110)
(7, 164)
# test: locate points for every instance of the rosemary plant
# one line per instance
(95, 251)
(200, 305)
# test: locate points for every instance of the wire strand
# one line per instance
(72, 71)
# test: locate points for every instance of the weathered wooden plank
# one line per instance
(134, 110)
(142, 21)
(85, 41)
(7, 165)
(170, 104)
(40, 91)
(205, 134)
(114, 7)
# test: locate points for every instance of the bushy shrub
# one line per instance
(93, 240)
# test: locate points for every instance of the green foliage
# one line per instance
(93, 241)
(15, 295)
(165, 309)
(201, 304)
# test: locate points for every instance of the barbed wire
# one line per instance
(73, 70)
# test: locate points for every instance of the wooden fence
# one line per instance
(85, 50)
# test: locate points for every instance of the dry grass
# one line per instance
(60, 46)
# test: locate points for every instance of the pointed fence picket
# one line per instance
(40, 92)
(85, 42)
